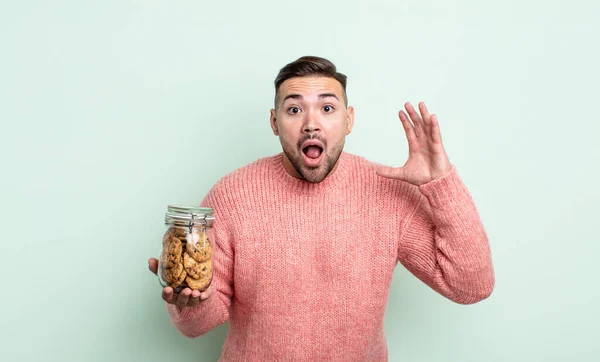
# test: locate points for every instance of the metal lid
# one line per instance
(197, 210)
(189, 215)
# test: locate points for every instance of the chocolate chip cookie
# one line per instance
(171, 254)
(201, 251)
(194, 269)
(177, 232)
(174, 276)
(199, 284)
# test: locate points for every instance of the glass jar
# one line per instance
(186, 257)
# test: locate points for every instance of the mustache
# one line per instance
(312, 136)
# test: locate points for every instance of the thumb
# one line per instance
(391, 172)
(153, 265)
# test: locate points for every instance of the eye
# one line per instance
(293, 110)
(328, 109)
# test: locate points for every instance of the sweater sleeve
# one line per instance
(195, 321)
(444, 244)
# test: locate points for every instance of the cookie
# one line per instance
(174, 276)
(194, 269)
(201, 251)
(199, 284)
(179, 233)
(171, 254)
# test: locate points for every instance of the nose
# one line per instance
(310, 128)
(311, 123)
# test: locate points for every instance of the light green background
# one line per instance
(111, 110)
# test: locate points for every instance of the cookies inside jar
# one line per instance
(186, 259)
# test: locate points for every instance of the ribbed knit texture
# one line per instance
(302, 271)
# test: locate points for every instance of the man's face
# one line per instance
(312, 121)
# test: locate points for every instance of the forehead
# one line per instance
(310, 86)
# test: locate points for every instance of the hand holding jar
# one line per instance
(185, 298)
(185, 266)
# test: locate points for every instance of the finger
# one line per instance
(207, 293)
(415, 118)
(436, 135)
(153, 265)
(424, 113)
(184, 296)
(194, 298)
(168, 295)
(426, 118)
(391, 172)
(411, 135)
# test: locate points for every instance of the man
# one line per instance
(306, 241)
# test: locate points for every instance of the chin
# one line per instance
(314, 176)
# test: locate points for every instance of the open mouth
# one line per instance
(312, 152)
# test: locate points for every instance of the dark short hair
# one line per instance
(309, 66)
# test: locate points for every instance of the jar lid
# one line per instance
(189, 215)
(197, 210)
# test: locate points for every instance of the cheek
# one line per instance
(287, 136)
(289, 129)
(337, 130)
(285, 132)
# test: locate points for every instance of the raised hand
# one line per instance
(427, 159)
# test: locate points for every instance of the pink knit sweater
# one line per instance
(302, 271)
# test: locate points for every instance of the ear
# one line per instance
(273, 120)
(349, 119)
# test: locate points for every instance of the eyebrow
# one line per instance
(299, 96)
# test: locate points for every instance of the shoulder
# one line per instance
(360, 164)
(249, 172)
(363, 172)
(234, 184)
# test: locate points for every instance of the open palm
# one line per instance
(427, 159)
